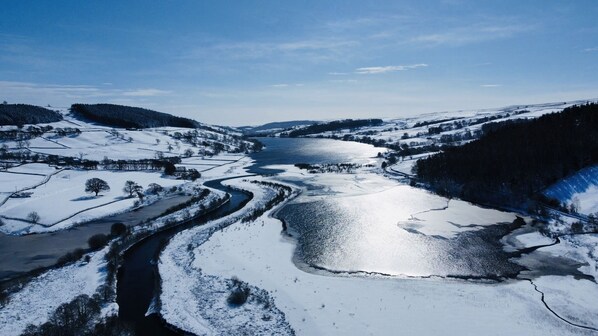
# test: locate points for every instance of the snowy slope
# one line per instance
(581, 188)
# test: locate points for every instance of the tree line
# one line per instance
(128, 116)
(515, 160)
(21, 114)
(333, 126)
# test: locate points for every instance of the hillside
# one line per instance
(274, 127)
(332, 126)
(128, 116)
(518, 158)
(21, 114)
(578, 191)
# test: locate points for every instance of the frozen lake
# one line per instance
(366, 223)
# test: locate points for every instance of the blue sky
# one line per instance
(250, 62)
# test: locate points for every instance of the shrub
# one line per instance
(33, 217)
(118, 229)
(239, 292)
(97, 241)
(72, 256)
(154, 189)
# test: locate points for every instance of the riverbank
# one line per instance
(197, 303)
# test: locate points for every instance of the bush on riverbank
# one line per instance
(97, 241)
(239, 292)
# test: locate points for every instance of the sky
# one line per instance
(251, 62)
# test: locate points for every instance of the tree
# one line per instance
(189, 152)
(33, 217)
(154, 188)
(96, 185)
(169, 168)
(132, 187)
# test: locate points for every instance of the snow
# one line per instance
(573, 299)
(33, 168)
(524, 238)
(581, 187)
(36, 302)
(64, 196)
(211, 315)
(10, 183)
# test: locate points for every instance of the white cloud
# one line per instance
(491, 85)
(284, 85)
(472, 34)
(145, 93)
(591, 49)
(388, 68)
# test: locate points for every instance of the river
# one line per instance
(137, 281)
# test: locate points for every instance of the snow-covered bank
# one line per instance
(197, 302)
(37, 301)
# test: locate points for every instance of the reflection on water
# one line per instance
(293, 150)
(368, 232)
(342, 238)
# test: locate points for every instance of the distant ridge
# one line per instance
(21, 114)
(128, 116)
(275, 126)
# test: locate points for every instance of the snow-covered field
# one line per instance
(96, 142)
(63, 202)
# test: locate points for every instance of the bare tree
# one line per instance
(96, 185)
(33, 217)
(132, 187)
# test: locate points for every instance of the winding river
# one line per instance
(137, 280)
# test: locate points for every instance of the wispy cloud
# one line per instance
(386, 69)
(76, 91)
(491, 85)
(472, 34)
(145, 93)
(307, 49)
(284, 85)
(591, 49)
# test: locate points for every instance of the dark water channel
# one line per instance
(21, 254)
(137, 283)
